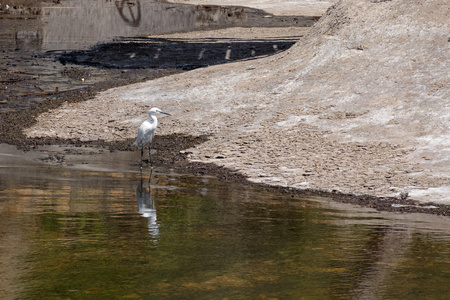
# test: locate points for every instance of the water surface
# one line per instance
(90, 227)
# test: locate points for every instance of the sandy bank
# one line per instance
(359, 105)
(279, 8)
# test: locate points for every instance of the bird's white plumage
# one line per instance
(146, 131)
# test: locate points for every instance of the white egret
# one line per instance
(146, 132)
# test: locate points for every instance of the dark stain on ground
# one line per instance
(137, 53)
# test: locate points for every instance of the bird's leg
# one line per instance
(150, 154)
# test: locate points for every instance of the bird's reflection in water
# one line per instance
(146, 205)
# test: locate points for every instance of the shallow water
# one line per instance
(87, 227)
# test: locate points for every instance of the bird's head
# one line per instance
(155, 110)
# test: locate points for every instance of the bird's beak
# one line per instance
(165, 113)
